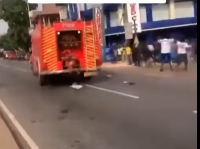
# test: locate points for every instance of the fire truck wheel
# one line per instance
(87, 78)
(43, 80)
(32, 70)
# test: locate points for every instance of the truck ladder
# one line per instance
(49, 49)
(90, 49)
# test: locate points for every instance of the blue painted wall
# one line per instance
(116, 34)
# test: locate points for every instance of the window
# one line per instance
(81, 6)
(63, 13)
(68, 11)
(89, 6)
(120, 12)
(184, 9)
(105, 22)
(73, 7)
(40, 7)
(143, 14)
(114, 20)
(160, 12)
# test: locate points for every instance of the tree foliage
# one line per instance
(15, 13)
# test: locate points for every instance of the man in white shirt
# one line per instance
(166, 52)
(182, 53)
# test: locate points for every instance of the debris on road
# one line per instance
(64, 111)
(130, 83)
(109, 76)
(76, 86)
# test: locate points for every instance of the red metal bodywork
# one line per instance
(44, 42)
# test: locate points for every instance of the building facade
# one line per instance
(176, 17)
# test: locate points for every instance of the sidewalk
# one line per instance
(6, 139)
(115, 65)
(153, 71)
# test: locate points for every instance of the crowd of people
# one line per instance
(163, 51)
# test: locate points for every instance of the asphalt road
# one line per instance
(154, 113)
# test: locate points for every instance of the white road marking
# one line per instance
(112, 91)
(195, 112)
(23, 133)
(90, 86)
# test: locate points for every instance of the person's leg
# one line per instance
(134, 58)
(169, 60)
(129, 59)
(185, 60)
(138, 59)
(179, 60)
(162, 58)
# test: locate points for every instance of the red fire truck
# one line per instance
(64, 47)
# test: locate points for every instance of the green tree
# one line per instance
(15, 13)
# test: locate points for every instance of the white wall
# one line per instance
(3, 27)
(184, 9)
(160, 12)
(82, 7)
(114, 20)
(143, 15)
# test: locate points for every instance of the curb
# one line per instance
(21, 143)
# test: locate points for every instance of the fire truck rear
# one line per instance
(64, 47)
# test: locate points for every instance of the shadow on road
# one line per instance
(68, 80)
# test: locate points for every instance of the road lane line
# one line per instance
(23, 133)
(112, 91)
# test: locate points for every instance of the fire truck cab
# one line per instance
(60, 47)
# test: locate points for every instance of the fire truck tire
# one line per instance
(32, 70)
(43, 80)
(85, 78)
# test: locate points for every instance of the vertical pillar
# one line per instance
(149, 13)
(120, 15)
(78, 11)
(172, 12)
(85, 6)
(195, 8)
(108, 19)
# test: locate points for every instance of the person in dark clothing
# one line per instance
(136, 54)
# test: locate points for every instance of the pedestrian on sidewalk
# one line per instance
(166, 52)
(136, 51)
(129, 54)
(124, 56)
(182, 53)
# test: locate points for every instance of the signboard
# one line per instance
(128, 30)
(98, 23)
(133, 12)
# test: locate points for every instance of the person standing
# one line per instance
(166, 52)
(182, 53)
(129, 55)
(136, 51)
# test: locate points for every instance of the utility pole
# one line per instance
(135, 37)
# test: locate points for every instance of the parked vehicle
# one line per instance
(1, 53)
(21, 55)
(10, 55)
